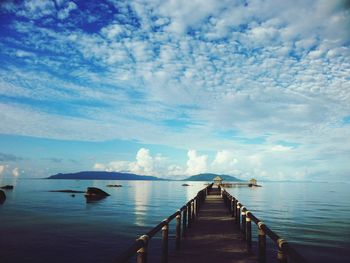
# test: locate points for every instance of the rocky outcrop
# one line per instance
(94, 194)
(7, 187)
(67, 191)
(2, 197)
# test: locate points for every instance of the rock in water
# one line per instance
(93, 194)
(7, 187)
(2, 197)
(67, 191)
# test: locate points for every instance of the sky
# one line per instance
(173, 88)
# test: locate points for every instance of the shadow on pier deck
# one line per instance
(213, 237)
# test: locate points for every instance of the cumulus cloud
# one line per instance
(175, 170)
(224, 162)
(99, 166)
(196, 163)
(145, 164)
(2, 169)
(16, 172)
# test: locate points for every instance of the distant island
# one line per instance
(211, 176)
(102, 175)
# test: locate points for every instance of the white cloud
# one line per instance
(2, 169)
(175, 170)
(224, 157)
(37, 8)
(120, 166)
(280, 148)
(113, 31)
(224, 162)
(256, 160)
(144, 162)
(64, 12)
(16, 172)
(196, 163)
(99, 166)
(22, 53)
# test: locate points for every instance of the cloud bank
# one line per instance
(267, 80)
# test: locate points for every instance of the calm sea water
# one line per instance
(41, 226)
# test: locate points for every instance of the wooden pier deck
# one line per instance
(213, 236)
(212, 227)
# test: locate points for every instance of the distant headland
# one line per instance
(102, 175)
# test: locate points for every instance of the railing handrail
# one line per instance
(130, 251)
(282, 245)
(142, 241)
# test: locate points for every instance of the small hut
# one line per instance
(217, 180)
(252, 182)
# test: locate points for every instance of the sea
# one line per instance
(39, 226)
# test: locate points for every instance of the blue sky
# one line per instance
(174, 88)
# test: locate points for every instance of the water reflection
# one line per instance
(142, 192)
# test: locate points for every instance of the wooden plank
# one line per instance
(214, 237)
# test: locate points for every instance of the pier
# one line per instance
(212, 227)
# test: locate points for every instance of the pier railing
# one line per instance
(244, 217)
(184, 219)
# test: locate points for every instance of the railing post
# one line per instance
(193, 212)
(178, 230)
(184, 221)
(248, 230)
(198, 202)
(143, 251)
(262, 243)
(165, 233)
(234, 207)
(189, 214)
(231, 205)
(195, 203)
(238, 214)
(243, 221)
(281, 254)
